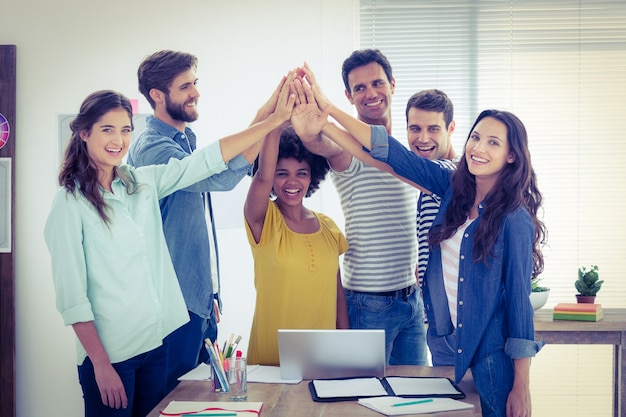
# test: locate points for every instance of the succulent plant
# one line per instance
(535, 287)
(588, 282)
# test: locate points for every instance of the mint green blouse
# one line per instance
(120, 275)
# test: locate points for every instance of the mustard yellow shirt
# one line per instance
(295, 276)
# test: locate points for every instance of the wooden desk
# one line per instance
(611, 330)
(285, 400)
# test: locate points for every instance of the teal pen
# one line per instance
(428, 400)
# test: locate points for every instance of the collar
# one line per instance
(184, 139)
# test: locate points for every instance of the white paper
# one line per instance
(206, 407)
(421, 386)
(268, 375)
(353, 387)
(384, 406)
(256, 373)
(201, 372)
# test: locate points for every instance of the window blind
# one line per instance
(559, 65)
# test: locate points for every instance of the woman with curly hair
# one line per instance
(295, 250)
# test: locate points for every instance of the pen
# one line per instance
(428, 400)
(227, 346)
(233, 346)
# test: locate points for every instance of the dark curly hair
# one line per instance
(291, 147)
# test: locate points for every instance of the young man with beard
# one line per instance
(168, 81)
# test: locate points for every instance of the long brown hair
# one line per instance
(516, 187)
(77, 170)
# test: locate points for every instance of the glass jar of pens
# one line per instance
(228, 369)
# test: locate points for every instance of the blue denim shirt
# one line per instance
(183, 213)
(494, 310)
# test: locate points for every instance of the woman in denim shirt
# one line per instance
(486, 246)
(485, 243)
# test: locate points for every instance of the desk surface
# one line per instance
(614, 320)
(285, 400)
(606, 331)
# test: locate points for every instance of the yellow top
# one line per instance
(295, 276)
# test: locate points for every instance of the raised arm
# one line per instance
(257, 200)
(359, 130)
(237, 143)
(263, 113)
(308, 120)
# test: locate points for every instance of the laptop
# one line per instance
(323, 354)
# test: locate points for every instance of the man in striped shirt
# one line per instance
(430, 123)
(380, 210)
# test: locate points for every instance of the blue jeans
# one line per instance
(493, 377)
(185, 346)
(400, 316)
(442, 349)
(143, 377)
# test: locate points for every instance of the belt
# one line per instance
(405, 292)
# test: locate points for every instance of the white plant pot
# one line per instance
(539, 299)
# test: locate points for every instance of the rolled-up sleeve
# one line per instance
(63, 236)
(380, 143)
(522, 348)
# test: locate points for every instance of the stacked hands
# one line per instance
(299, 102)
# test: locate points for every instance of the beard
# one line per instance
(177, 111)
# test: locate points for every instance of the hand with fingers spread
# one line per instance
(270, 105)
(284, 101)
(320, 97)
(307, 119)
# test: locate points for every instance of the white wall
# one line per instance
(68, 48)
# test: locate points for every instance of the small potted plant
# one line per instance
(538, 294)
(588, 284)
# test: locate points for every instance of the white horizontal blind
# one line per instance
(560, 65)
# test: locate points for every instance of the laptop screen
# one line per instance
(321, 354)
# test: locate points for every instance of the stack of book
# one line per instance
(578, 311)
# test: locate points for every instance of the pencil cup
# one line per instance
(237, 379)
(215, 382)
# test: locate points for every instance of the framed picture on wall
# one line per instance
(5, 205)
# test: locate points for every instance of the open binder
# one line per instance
(352, 389)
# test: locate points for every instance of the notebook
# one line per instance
(322, 354)
(352, 389)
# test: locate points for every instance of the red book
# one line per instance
(578, 307)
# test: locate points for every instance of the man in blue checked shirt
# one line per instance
(168, 81)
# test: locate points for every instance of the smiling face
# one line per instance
(291, 180)
(370, 92)
(107, 142)
(427, 134)
(182, 100)
(487, 149)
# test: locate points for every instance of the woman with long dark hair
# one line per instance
(113, 276)
(485, 247)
